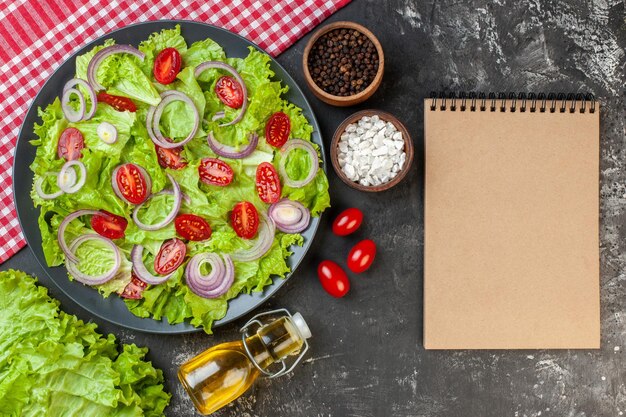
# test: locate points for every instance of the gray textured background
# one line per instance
(367, 358)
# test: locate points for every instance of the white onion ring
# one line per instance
(286, 149)
(92, 68)
(230, 152)
(153, 118)
(39, 184)
(92, 95)
(139, 268)
(263, 243)
(232, 71)
(72, 267)
(171, 215)
(69, 255)
(70, 114)
(76, 184)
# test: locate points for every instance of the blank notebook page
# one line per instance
(511, 229)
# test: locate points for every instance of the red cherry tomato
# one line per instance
(277, 129)
(170, 256)
(70, 144)
(229, 92)
(333, 278)
(167, 65)
(215, 172)
(134, 288)
(132, 184)
(348, 221)
(119, 103)
(192, 227)
(109, 225)
(267, 183)
(361, 256)
(170, 157)
(245, 219)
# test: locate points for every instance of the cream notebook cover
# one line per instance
(511, 253)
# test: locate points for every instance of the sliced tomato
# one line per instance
(109, 225)
(229, 92)
(132, 183)
(277, 129)
(245, 219)
(70, 145)
(170, 158)
(167, 65)
(170, 256)
(267, 183)
(119, 103)
(192, 227)
(134, 288)
(214, 171)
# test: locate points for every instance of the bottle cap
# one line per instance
(301, 325)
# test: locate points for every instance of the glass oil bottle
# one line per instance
(221, 374)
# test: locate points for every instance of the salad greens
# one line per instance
(126, 75)
(53, 364)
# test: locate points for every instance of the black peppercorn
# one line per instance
(343, 62)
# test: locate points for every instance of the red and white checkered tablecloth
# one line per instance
(36, 37)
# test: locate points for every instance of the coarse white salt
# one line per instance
(371, 151)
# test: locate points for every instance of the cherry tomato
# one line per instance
(333, 278)
(170, 157)
(70, 144)
(134, 288)
(277, 129)
(215, 172)
(132, 183)
(109, 225)
(170, 256)
(192, 227)
(229, 92)
(361, 256)
(167, 65)
(267, 183)
(348, 221)
(119, 103)
(245, 219)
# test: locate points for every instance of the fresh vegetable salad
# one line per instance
(174, 177)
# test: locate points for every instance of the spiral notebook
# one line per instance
(511, 253)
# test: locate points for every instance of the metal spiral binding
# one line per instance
(552, 102)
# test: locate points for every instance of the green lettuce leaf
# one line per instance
(53, 364)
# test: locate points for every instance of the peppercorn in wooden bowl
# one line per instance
(371, 151)
(343, 63)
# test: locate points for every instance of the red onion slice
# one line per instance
(223, 66)
(286, 149)
(171, 215)
(217, 282)
(153, 118)
(263, 243)
(69, 255)
(70, 114)
(139, 268)
(72, 267)
(66, 180)
(92, 68)
(184, 196)
(218, 115)
(290, 216)
(39, 184)
(92, 94)
(230, 152)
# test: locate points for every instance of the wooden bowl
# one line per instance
(343, 101)
(408, 149)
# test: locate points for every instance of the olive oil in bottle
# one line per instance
(224, 372)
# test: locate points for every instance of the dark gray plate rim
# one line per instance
(113, 309)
